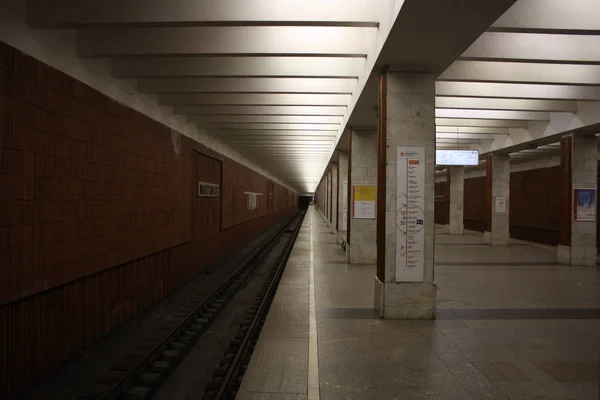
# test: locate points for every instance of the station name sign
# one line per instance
(456, 157)
(208, 189)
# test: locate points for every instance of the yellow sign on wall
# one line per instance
(365, 193)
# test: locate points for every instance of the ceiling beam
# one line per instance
(460, 136)
(535, 47)
(253, 119)
(484, 130)
(518, 91)
(273, 126)
(264, 110)
(232, 40)
(476, 103)
(288, 99)
(491, 114)
(326, 67)
(85, 13)
(550, 16)
(522, 72)
(249, 85)
(474, 122)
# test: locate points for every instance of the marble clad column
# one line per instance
(500, 200)
(334, 200)
(407, 119)
(584, 163)
(362, 248)
(457, 188)
(343, 195)
(326, 210)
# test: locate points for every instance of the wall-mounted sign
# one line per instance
(365, 198)
(456, 157)
(584, 204)
(208, 189)
(410, 215)
(440, 197)
(500, 205)
(252, 200)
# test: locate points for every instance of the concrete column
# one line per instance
(404, 286)
(326, 209)
(457, 188)
(584, 163)
(498, 179)
(362, 248)
(334, 197)
(343, 194)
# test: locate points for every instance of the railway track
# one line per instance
(145, 375)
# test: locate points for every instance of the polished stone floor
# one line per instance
(511, 324)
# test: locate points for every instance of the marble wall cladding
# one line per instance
(457, 189)
(363, 238)
(407, 300)
(334, 197)
(500, 234)
(584, 175)
(343, 170)
(410, 123)
(362, 254)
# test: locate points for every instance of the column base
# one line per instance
(496, 239)
(341, 237)
(405, 300)
(576, 255)
(361, 254)
(456, 229)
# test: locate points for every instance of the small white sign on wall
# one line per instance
(500, 205)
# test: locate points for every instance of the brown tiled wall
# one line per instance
(534, 205)
(95, 215)
(475, 205)
(441, 211)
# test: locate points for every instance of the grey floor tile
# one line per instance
(510, 325)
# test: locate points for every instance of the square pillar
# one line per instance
(498, 200)
(334, 196)
(457, 188)
(327, 195)
(404, 286)
(362, 248)
(579, 163)
(342, 192)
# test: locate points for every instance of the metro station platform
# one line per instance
(511, 324)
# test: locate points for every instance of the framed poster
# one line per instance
(410, 215)
(364, 201)
(584, 204)
(500, 205)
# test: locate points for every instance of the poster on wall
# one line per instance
(410, 214)
(365, 199)
(344, 205)
(500, 205)
(584, 207)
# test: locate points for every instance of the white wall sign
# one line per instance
(456, 157)
(344, 205)
(252, 200)
(365, 200)
(410, 215)
(500, 205)
(584, 204)
(208, 189)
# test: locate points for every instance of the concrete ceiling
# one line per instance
(273, 79)
(532, 76)
(281, 81)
